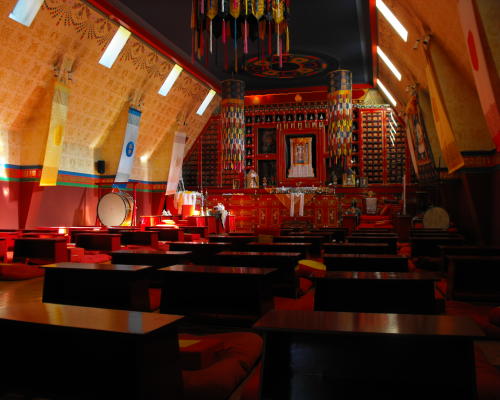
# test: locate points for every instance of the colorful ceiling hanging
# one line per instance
(293, 66)
(235, 22)
(233, 124)
(341, 116)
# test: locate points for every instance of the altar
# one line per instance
(270, 208)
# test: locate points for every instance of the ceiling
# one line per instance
(337, 32)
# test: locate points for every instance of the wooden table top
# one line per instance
(259, 254)
(298, 244)
(305, 237)
(95, 267)
(96, 319)
(369, 256)
(368, 323)
(233, 236)
(200, 243)
(99, 234)
(369, 275)
(36, 239)
(144, 251)
(218, 270)
(355, 244)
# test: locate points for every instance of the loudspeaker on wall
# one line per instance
(100, 166)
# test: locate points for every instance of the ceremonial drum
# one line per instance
(436, 218)
(115, 209)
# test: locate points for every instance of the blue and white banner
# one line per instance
(176, 158)
(129, 144)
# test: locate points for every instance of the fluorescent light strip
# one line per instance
(389, 63)
(386, 92)
(206, 102)
(171, 78)
(392, 19)
(25, 11)
(115, 47)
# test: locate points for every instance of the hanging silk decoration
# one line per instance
(233, 124)
(279, 16)
(340, 116)
(211, 14)
(233, 17)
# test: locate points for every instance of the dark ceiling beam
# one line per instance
(121, 17)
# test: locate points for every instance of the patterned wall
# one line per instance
(98, 94)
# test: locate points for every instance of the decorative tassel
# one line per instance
(269, 44)
(245, 39)
(287, 40)
(235, 46)
(211, 35)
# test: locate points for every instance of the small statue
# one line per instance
(264, 182)
(252, 180)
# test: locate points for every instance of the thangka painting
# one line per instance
(300, 157)
(418, 142)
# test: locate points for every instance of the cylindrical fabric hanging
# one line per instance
(233, 124)
(340, 116)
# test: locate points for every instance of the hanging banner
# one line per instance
(175, 170)
(418, 143)
(480, 69)
(451, 155)
(53, 149)
(128, 149)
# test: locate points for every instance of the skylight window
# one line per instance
(206, 102)
(171, 78)
(25, 11)
(115, 47)
(389, 63)
(386, 92)
(392, 19)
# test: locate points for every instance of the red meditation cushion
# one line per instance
(386, 210)
(240, 352)
(19, 272)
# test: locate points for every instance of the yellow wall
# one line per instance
(98, 94)
(450, 57)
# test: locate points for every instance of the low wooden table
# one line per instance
(428, 246)
(340, 355)
(303, 248)
(165, 233)
(144, 238)
(89, 353)
(366, 262)
(316, 241)
(99, 241)
(356, 248)
(237, 241)
(201, 251)
(474, 278)
(118, 286)
(154, 258)
(49, 249)
(391, 292)
(285, 281)
(226, 294)
(392, 241)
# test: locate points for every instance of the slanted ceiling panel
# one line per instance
(71, 27)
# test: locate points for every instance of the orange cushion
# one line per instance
(233, 363)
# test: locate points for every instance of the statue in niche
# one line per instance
(252, 180)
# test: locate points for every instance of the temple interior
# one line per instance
(249, 199)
